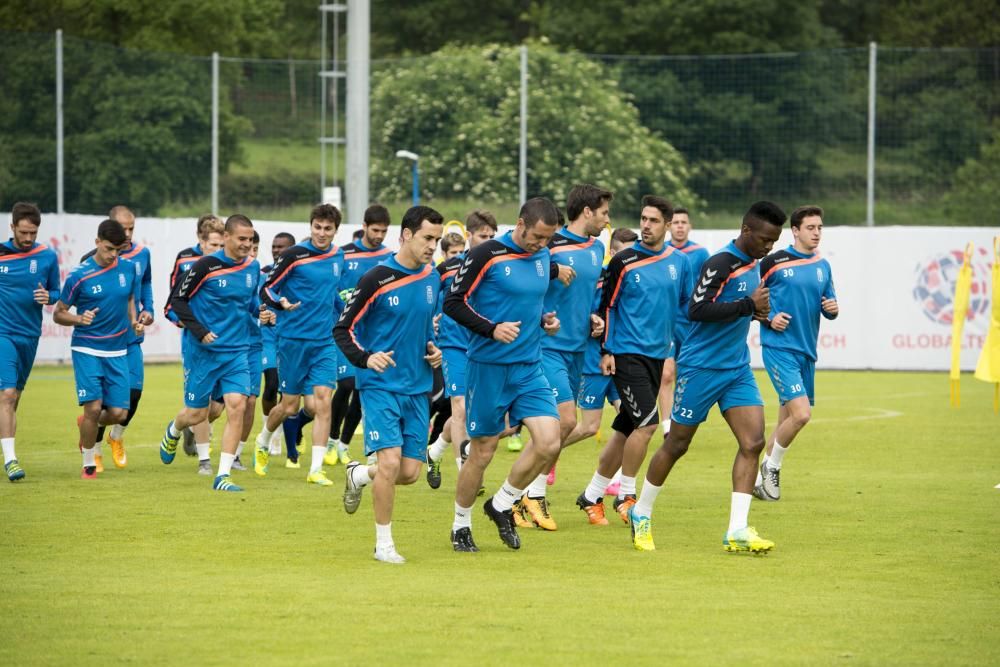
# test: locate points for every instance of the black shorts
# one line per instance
(637, 379)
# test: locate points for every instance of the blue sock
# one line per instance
(293, 431)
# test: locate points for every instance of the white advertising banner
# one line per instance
(895, 286)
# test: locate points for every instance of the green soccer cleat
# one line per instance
(319, 478)
(168, 446)
(261, 457)
(514, 443)
(746, 539)
(642, 531)
(14, 470)
(223, 483)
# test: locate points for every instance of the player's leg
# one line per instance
(747, 424)
(116, 436)
(322, 398)
(792, 376)
(637, 379)
(17, 355)
(666, 392)
(351, 422)
(236, 408)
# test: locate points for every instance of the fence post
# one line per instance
(523, 156)
(872, 66)
(60, 201)
(215, 132)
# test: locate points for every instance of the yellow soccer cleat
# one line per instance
(331, 458)
(642, 531)
(746, 539)
(261, 457)
(99, 462)
(537, 509)
(519, 519)
(345, 456)
(118, 452)
(295, 465)
(318, 478)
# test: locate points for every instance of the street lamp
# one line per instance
(409, 155)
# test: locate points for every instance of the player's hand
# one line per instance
(267, 317)
(288, 305)
(596, 326)
(566, 274)
(761, 298)
(145, 318)
(550, 323)
(138, 327)
(830, 306)
(608, 364)
(780, 322)
(41, 295)
(434, 355)
(87, 317)
(507, 332)
(437, 324)
(379, 361)
(209, 338)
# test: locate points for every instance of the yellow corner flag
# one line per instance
(988, 368)
(960, 307)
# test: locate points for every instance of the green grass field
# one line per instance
(886, 553)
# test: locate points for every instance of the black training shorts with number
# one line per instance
(637, 378)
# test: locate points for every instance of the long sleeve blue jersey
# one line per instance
(107, 289)
(392, 308)
(501, 282)
(182, 263)
(573, 303)
(21, 272)
(696, 255)
(797, 284)
(217, 295)
(308, 276)
(642, 294)
(450, 332)
(359, 260)
(592, 352)
(721, 311)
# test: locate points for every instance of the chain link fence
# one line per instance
(715, 132)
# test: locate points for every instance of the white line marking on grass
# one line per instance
(880, 413)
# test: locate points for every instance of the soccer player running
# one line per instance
(387, 331)
(680, 230)
(213, 301)
(645, 287)
(269, 341)
(801, 289)
(499, 294)
(359, 257)
(29, 280)
(453, 339)
(302, 287)
(103, 290)
(714, 367)
(576, 245)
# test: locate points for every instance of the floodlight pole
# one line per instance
(358, 127)
(60, 200)
(872, 67)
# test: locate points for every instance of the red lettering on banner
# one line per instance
(935, 341)
(833, 341)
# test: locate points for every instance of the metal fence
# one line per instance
(84, 125)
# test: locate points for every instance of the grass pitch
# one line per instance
(886, 552)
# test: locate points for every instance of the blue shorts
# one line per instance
(454, 362)
(494, 390)
(269, 355)
(209, 373)
(792, 374)
(563, 370)
(594, 389)
(102, 379)
(396, 420)
(345, 369)
(698, 389)
(136, 372)
(304, 364)
(674, 349)
(17, 355)
(254, 362)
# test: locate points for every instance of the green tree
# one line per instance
(459, 109)
(973, 200)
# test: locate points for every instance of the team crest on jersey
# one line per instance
(819, 274)
(138, 269)
(249, 281)
(121, 279)
(33, 266)
(336, 269)
(539, 268)
(593, 258)
(673, 272)
(430, 294)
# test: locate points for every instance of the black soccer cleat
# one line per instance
(461, 540)
(189, 447)
(505, 524)
(433, 472)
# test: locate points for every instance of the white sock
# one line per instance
(174, 433)
(595, 490)
(739, 511)
(458, 463)
(627, 486)
(383, 535)
(317, 458)
(8, 449)
(666, 426)
(617, 476)
(226, 463)
(97, 449)
(537, 488)
(342, 446)
(117, 431)
(774, 458)
(265, 435)
(463, 517)
(239, 448)
(202, 448)
(505, 498)
(644, 506)
(88, 458)
(436, 451)
(361, 475)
